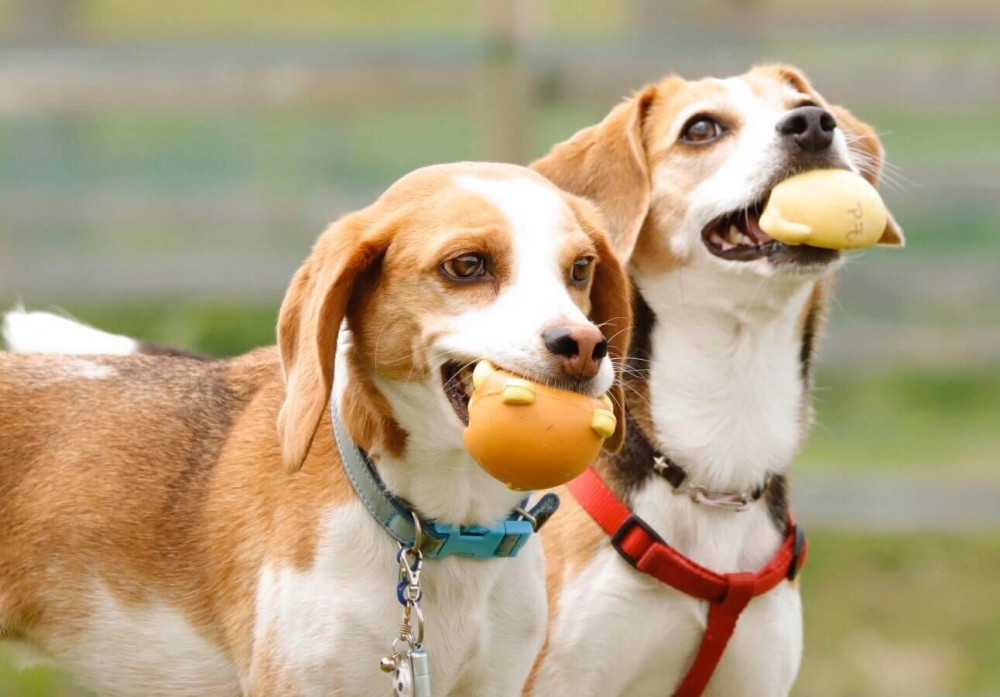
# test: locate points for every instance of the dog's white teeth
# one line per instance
(721, 242)
(737, 238)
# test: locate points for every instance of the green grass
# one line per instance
(306, 19)
(37, 682)
(885, 616)
(313, 19)
(907, 616)
(215, 329)
(914, 422)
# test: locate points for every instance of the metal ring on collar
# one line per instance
(418, 532)
(528, 517)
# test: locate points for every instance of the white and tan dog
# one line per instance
(726, 325)
(183, 527)
(719, 373)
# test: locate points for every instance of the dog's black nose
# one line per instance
(809, 127)
(580, 346)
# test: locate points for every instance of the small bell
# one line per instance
(387, 664)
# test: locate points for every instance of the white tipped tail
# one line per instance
(45, 332)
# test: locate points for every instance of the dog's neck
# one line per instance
(415, 441)
(724, 382)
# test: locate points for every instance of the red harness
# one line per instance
(728, 594)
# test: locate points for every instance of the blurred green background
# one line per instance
(165, 166)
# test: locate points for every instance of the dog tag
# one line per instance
(412, 677)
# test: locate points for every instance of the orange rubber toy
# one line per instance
(530, 436)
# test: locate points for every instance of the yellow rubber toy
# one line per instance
(531, 436)
(830, 208)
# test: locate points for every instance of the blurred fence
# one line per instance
(144, 158)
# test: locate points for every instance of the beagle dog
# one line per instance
(718, 375)
(173, 526)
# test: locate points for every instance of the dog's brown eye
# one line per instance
(581, 270)
(467, 267)
(700, 130)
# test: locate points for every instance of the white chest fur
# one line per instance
(327, 626)
(724, 377)
(322, 630)
(150, 649)
(725, 397)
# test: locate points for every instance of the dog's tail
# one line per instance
(46, 332)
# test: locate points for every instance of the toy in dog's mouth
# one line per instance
(737, 236)
(458, 385)
(456, 380)
(530, 435)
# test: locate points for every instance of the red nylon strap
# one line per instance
(599, 501)
(728, 594)
(722, 618)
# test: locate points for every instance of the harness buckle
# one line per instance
(633, 521)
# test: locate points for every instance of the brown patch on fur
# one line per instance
(677, 168)
(139, 527)
(367, 415)
(182, 506)
(770, 83)
(152, 349)
(609, 308)
(309, 324)
(607, 164)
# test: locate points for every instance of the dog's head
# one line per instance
(452, 264)
(683, 169)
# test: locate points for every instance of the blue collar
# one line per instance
(505, 538)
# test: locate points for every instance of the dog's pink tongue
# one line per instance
(758, 236)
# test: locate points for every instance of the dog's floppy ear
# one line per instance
(610, 307)
(309, 324)
(608, 164)
(869, 155)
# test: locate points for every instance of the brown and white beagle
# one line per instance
(718, 375)
(181, 527)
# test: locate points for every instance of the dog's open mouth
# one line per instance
(456, 379)
(737, 236)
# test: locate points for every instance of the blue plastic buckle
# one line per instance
(480, 542)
